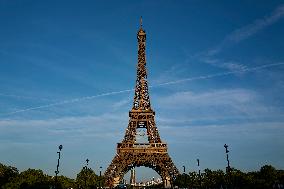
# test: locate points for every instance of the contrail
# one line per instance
(161, 84)
(219, 74)
(68, 101)
(24, 97)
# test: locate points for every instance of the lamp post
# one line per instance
(184, 175)
(227, 155)
(100, 176)
(199, 175)
(57, 171)
(86, 171)
(87, 160)
(228, 169)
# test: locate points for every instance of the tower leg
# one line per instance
(116, 181)
(167, 182)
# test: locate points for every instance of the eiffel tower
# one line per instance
(131, 152)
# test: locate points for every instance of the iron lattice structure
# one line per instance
(130, 153)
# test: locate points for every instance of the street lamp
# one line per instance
(184, 175)
(227, 154)
(228, 169)
(199, 173)
(57, 171)
(86, 171)
(100, 175)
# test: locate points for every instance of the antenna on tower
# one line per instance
(141, 22)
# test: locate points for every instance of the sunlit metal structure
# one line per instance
(132, 177)
(133, 153)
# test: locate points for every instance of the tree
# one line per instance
(238, 178)
(86, 178)
(29, 179)
(280, 177)
(65, 182)
(194, 179)
(7, 173)
(219, 178)
(268, 175)
(182, 181)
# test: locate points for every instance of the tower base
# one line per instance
(155, 158)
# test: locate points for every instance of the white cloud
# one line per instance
(215, 107)
(170, 74)
(255, 143)
(63, 102)
(253, 131)
(122, 103)
(216, 98)
(25, 97)
(259, 24)
(249, 30)
(237, 36)
(230, 65)
(71, 128)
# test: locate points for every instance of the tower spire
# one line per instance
(141, 22)
(141, 96)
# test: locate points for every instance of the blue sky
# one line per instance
(68, 67)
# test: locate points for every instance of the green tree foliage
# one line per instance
(237, 179)
(280, 176)
(214, 179)
(64, 182)
(87, 178)
(7, 173)
(182, 181)
(268, 174)
(100, 181)
(194, 179)
(29, 179)
(36, 179)
(267, 178)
